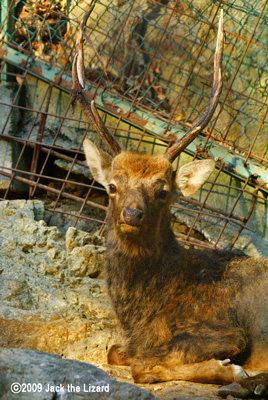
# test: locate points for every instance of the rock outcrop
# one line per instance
(49, 299)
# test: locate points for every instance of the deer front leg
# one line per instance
(211, 371)
(193, 355)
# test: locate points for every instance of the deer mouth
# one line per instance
(128, 229)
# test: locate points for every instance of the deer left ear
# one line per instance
(190, 177)
(99, 162)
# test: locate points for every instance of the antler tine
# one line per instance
(89, 110)
(182, 143)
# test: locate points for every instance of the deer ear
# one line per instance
(190, 177)
(99, 162)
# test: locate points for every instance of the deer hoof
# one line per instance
(239, 373)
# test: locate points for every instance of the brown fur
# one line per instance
(179, 309)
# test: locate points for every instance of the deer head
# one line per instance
(142, 187)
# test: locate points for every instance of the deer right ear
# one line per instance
(190, 177)
(99, 162)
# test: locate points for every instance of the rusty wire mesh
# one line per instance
(150, 67)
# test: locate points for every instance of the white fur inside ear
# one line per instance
(98, 161)
(190, 177)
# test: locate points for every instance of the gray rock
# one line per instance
(44, 374)
(48, 301)
(76, 169)
(85, 253)
(18, 209)
(86, 260)
(76, 238)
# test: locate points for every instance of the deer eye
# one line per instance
(163, 194)
(112, 188)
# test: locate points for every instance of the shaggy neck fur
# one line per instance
(148, 243)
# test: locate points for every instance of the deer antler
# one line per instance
(182, 143)
(89, 110)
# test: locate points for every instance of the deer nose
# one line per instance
(132, 216)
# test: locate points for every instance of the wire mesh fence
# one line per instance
(149, 66)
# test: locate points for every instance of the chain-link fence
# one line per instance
(149, 66)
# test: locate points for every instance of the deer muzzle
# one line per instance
(132, 216)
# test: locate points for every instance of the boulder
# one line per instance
(28, 374)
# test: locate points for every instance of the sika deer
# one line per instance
(181, 311)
